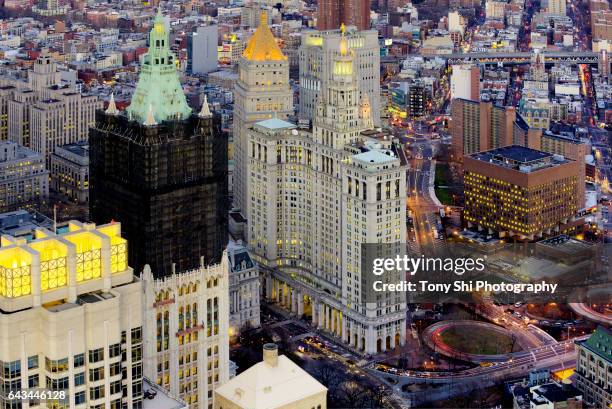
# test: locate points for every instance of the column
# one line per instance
(392, 341)
(321, 315)
(269, 288)
(278, 291)
(293, 306)
(403, 333)
(343, 335)
(300, 305)
(313, 308)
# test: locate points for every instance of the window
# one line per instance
(79, 379)
(57, 384)
(33, 362)
(79, 398)
(79, 360)
(96, 374)
(96, 355)
(97, 392)
(33, 381)
(115, 387)
(114, 350)
(115, 369)
(56, 366)
(136, 335)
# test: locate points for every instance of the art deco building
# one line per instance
(593, 368)
(24, 181)
(71, 318)
(275, 383)
(316, 197)
(316, 54)
(520, 192)
(479, 126)
(161, 170)
(262, 90)
(186, 331)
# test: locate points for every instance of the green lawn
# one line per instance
(443, 178)
(476, 340)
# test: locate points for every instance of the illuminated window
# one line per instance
(119, 257)
(89, 265)
(16, 281)
(53, 273)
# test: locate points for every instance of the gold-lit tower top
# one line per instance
(263, 46)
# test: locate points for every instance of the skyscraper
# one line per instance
(161, 171)
(75, 313)
(317, 52)
(333, 13)
(262, 91)
(316, 197)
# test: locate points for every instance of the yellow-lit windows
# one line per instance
(15, 273)
(119, 256)
(53, 273)
(89, 265)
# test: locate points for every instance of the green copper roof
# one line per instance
(159, 88)
(600, 342)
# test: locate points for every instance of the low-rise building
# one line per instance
(275, 383)
(70, 171)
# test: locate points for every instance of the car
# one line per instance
(518, 304)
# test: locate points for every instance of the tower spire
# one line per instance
(112, 108)
(205, 111)
(150, 121)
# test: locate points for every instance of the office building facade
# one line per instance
(520, 192)
(24, 179)
(78, 287)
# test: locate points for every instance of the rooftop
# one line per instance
(374, 156)
(520, 158)
(161, 398)
(266, 385)
(78, 148)
(600, 342)
(275, 123)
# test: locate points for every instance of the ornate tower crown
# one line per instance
(262, 46)
(343, 63)
(159, 92)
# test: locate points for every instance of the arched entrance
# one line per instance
(388, 343)
(397, 339)
(379, 345)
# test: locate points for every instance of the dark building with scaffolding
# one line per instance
(167, 185)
